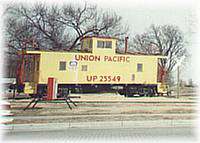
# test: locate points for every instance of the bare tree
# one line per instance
(42, 22)
(87, 20)
(57, 28)
(17, 31)
(166, 40)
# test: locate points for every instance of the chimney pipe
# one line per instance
(126, 45)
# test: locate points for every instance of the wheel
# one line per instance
(121, 92)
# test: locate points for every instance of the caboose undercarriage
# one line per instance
(127, 90)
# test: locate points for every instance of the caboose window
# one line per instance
(100, 44)
(62, 66)
(90, 45)
(84, 68)
(37, 65)
(133, 77)
(139, 67)
(108, 44)
(104, 44)
(86, 44)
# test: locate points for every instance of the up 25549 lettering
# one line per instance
(103, 78)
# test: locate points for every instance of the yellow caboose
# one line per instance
(97, 66)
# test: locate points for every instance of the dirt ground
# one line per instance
(105, 107)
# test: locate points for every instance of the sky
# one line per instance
(140, 14)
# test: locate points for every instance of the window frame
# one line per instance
(84, 68)
(108, 44)
(139, 67)
(37, 65)
(132, 77)
(60, 65)
(87, 44)
(104, 44)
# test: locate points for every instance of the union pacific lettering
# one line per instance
(104, 58)
(87, 58)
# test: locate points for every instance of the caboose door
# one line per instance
(31, 73)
